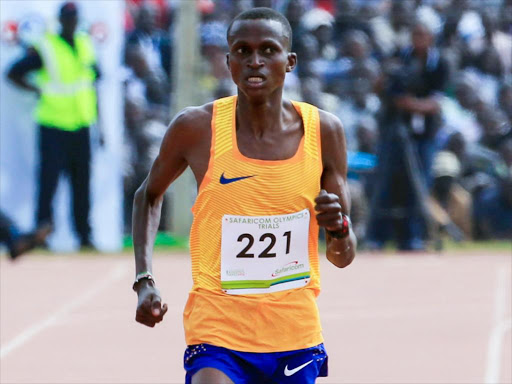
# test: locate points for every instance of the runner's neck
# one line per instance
(260, 117)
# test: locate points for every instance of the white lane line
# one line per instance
(501, 326)
(115, 274)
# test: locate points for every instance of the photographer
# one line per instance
(410, 122)
(424, 76)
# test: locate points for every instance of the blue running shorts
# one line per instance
(301, 366)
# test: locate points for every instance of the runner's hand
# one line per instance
(149, 307)
(328, 208)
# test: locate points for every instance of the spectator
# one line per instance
(356, 50)
(356, 46)
(312, 93)
(480, 167)
(488, 71)
(141, 81)
(67, 107)
(308, 49)
(493, 211)
(154, 42)
(407, 146)
(459, 114)
(319, 23)
(452, 47)
(392, 33)
(367, 135)
(213, 49)
(358, 104)
(347, 19)
(496, 127)
(417, 92)
(450, 199)
(500, 41)
(145, 114)
(294, 12)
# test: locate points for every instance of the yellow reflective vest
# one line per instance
(68, 98)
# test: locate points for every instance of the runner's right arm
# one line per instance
(167, 167)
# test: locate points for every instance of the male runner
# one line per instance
(269, 173)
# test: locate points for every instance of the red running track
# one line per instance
(410, 318)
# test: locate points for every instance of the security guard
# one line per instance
(67, 107)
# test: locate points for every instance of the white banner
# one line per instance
(23, 23)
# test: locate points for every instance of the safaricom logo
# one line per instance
(293, 265)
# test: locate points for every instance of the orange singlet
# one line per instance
(254, 244)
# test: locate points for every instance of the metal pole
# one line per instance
(185, 72)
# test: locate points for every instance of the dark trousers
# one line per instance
(396, 198)
(70, 153)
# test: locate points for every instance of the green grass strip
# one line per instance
(163, 241)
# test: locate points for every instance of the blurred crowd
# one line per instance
(422, 87)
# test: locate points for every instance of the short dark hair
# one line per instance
(263, 13)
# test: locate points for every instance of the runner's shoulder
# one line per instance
(331, 127)
(193, 118)
(191, 123)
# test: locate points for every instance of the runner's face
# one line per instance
(258, 56)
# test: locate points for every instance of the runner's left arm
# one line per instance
(169, 165)
(333, 201)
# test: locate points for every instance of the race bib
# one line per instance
(261, 254)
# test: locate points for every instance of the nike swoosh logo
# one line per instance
(289, 372)
(225, 180)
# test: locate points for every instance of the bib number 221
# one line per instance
(266, 252)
